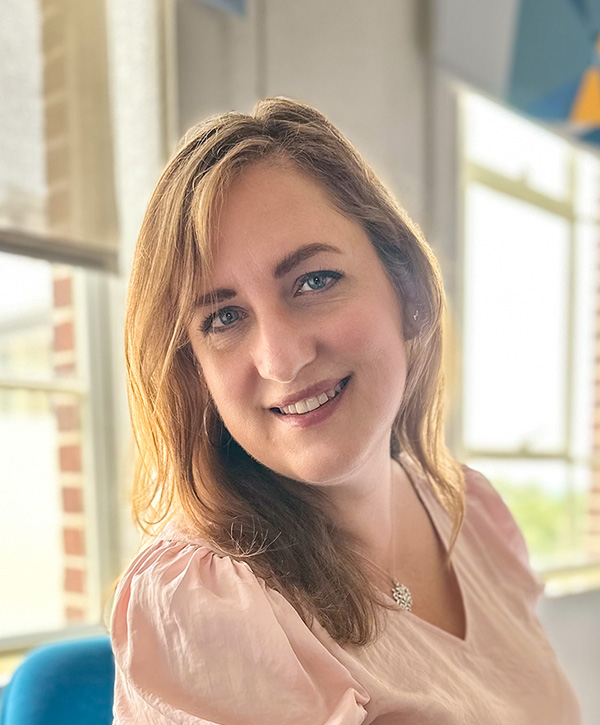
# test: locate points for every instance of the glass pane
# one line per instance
(22, 152)
(56, 176)
(39, 483)
(26, 308)
(584, 339)
(515, 325)
(516, 148)
(545, 503)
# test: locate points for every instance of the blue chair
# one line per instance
(69, 682)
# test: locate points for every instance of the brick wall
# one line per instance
(59, 216)
(67, 409)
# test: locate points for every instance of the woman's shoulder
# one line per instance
(176, 560)
(485, 503)
(179, 587)
(196, 632)
(489, 515)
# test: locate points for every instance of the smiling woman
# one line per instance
(313, 552)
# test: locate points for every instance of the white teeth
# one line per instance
(304, 406)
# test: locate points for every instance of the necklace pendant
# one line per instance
(402, 596)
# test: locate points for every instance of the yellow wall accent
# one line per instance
(586, 107)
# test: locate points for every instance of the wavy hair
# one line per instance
(189, 465)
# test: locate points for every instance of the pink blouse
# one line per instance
(200, 640)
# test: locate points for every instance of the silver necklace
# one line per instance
(402, 596)
(400, 593)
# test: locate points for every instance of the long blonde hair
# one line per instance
(188, 463)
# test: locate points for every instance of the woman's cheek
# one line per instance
(220, 378)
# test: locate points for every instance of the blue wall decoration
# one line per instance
(542, 57)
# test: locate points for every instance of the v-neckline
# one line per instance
(431, 505)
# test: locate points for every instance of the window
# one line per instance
(42, 405)
(530, 377)
(56, 231)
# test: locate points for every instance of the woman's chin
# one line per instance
(327, 472)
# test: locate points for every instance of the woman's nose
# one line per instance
(283, 345)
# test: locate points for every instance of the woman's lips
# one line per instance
(304, 420)
(313, 391)
(307, 405)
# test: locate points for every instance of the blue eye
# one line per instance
(319, 279)
(224, 315)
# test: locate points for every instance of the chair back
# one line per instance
(69, 682)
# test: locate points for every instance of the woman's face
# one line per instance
(304, 303)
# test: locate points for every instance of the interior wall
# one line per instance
(360, 63)
(573, 627)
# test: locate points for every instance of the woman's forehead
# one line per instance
(274, 208)
(273, 185)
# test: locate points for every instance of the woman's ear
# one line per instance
(411, 323)
(412, 311)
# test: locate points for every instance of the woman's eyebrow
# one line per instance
(285, 265)
(306, 251)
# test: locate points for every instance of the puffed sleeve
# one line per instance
(504, 530)
(199, 639)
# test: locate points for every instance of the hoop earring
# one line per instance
(224, 434)
(207, 433)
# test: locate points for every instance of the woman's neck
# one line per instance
(369, 506)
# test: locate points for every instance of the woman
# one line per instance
(314, 554)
